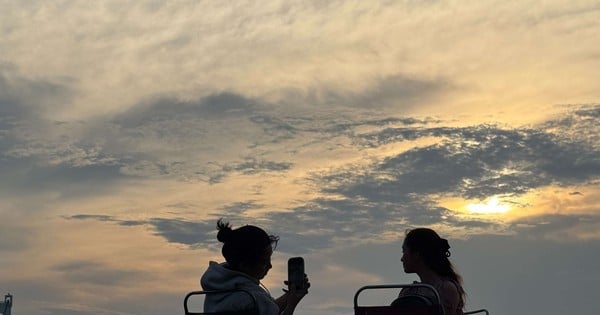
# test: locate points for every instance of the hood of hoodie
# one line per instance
(219, 277)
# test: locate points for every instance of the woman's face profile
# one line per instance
(260, 267)
(408, 259)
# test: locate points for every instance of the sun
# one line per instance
(492, 206)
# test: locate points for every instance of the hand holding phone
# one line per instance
(296, 273)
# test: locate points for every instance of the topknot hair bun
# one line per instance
(225, 231)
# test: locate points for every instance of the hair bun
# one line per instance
(225, 231)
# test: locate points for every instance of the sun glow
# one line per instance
(492, 206)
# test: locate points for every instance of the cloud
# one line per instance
(476, 161)
(27, 177)
(177, 231)
(559, 227)
(580, 124)
(215, 106)
(92, 273)
(400, 190)
(388, 92)
(182, 231)
(38, 153)
(165, 138)
(23, 102)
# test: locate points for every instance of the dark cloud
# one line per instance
(97, 217)
(476, 162)
(580, 125)
(277, 128)
(177, 231)
(22, 97)
(27, 176)
(39, 154)
(399, 191)
(319, 128)
(590, 111)
(473, 162)
(253, 166)
(182, 231)
(215, 106)
(22, 101)
(218, 172)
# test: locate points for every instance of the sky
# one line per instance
(128, 128)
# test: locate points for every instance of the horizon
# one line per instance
(127, 128)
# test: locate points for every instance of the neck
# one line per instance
(428, 276)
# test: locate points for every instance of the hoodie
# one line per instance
(218, 277)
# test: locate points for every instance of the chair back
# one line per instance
(249, 311)
(404, 305)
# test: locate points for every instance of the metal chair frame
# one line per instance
(413, 285)
(250, 311)
(436, 303)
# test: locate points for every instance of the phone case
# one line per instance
(296, 272)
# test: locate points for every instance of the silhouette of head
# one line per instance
(425, 248)
(247, 249)
(430, 248)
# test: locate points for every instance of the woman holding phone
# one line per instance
(247, 251)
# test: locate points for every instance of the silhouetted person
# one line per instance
(426, 254)
(247, 251)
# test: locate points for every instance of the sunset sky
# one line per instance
(127, 128)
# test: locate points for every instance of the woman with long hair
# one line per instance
(426, 254)
(247, 251)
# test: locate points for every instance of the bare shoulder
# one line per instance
(449, 291)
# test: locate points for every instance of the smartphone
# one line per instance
(296, 272)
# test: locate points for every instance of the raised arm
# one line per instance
(289, 300)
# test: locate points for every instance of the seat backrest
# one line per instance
(414, 300)
(249, 311)
(404, 305)
(477, 311)
(391, 310)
